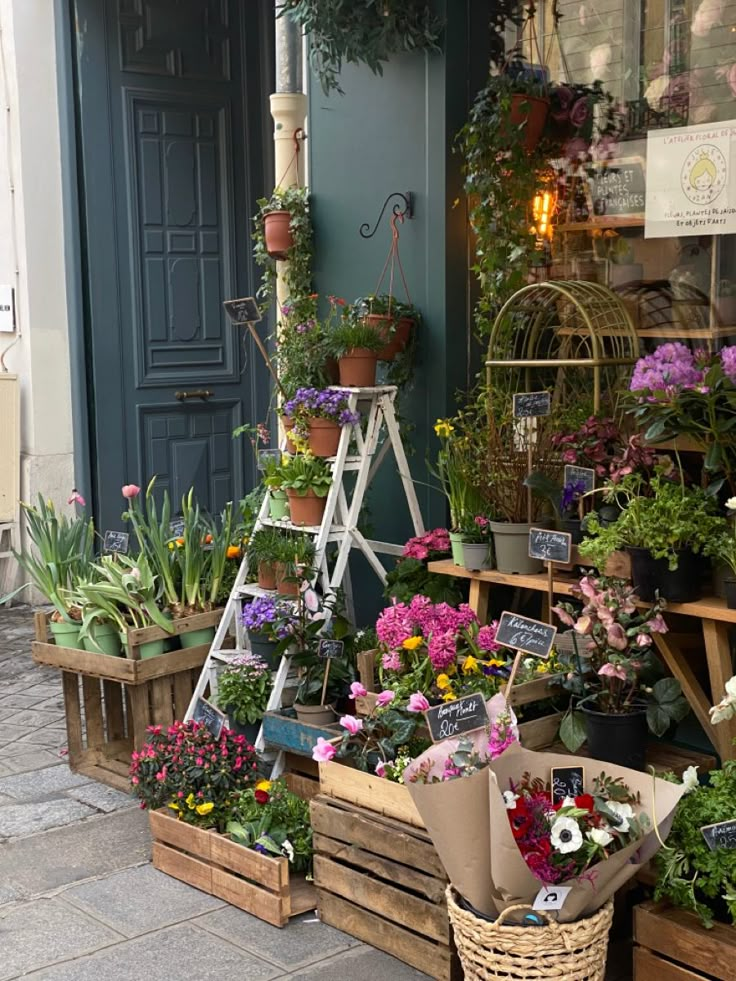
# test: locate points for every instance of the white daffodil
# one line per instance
(565, 835)
(599, 836)
(288, 849)
(623, 812)
(731, 504)
(690, 779)
(510, 799)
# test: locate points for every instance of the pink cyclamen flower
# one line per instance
(385, 698)
(357, 690)
(417, 703)
(643, 640)
(380, 769)
(657, 624)
(130, 491)
(323, 752)
(613, 671)
(352, 724)
(76, 498)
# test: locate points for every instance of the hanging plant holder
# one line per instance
(277, 231)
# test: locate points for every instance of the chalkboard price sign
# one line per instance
(580, 475)
(567, 781)
(116, 541)
(207, 715)
(525, 634)
(457, 718)
(721, 835)
(331, 648)
(244, 311)
(550, 546)
(527, 405)
(176, 527)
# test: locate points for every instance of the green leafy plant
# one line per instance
(366, 33)
(153, 531)
(120, 590)
(243, 689)
(304, 472)
(273, 821)
(380, 739)
(410, 578)
(266, 546)
(298, 269)
(305, 633)
(352, 334)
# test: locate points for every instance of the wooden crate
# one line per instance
(382, 882)
(258, 884)
(671, 944)
(367, 791)
(110, 701)
(286, 732)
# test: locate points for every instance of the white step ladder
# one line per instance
(374, 435)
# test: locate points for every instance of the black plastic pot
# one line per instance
(729, 588)
(650, 575)
(573, 525)
(620, 739)
(250, 729)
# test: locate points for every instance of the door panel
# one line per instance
(171, 132)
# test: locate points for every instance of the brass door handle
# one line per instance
(200, 393)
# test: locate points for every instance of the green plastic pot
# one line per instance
(278, 505)
(197, 637)
(172, 642)
(456, 544)
(65, 634)
(151, 648)
(103, 638)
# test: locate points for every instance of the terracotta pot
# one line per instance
(266, 575)
(307, 509)
(285, 584)
(332, 371)
(529, 109)
(278, 234)
(288, 423)
(358, 369)
(396, 342)
(324, 437)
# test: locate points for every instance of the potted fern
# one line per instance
(306, 479)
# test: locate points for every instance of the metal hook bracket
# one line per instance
(407, 198)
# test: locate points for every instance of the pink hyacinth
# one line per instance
(391, 661)
(394, 625)
(323, 752)
(385, 698)
(352, 724)
(357, 690)
(487, 638)
(442, 650)
(417, 703)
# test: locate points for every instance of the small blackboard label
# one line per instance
(527, 405)
(580, 475)
(243, 311)
(524, 634)
(116, 541)
(176, 527)
(721, 835)
(331, 648)
(618, 187)
(550, 546)
(210, 717)
(567, 781)
(457, 718)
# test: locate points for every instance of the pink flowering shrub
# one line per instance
(433, 544)
(195, 775)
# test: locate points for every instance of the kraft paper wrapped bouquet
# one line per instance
(503, 836)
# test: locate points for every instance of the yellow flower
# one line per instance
(449, 697)
(190, 802)
(542, 669)
(205, 808)
(443, 428)
(470, 665)
(495, 663)
(174, 806)
(264, 785)
(443, 682)
(451, 670)
(411, 643)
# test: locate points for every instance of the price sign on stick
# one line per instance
(567, 781)
(243, 311)
(580, 475)
(550, 546)
(207, 715)
(524, 634)
(721, 835)
(331, 648)
(527, 405)
(457, 718)
(116, 541)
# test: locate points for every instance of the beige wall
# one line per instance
(30, 163)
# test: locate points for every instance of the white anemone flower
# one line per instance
(622, 811)
(510, 799)
(599, 836)
(731, 504)
(288, 849)
(565, 835)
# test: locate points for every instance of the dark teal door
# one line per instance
(171, 100)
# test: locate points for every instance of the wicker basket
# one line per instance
(555, 952)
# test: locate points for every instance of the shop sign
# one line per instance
(691, 181)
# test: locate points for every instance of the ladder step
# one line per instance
(336, 531)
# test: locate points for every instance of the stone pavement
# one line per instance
(78, 897)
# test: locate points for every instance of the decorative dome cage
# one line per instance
(563, 336)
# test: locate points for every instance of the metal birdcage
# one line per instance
(566, 337)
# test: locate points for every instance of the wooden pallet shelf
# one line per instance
(671, 944)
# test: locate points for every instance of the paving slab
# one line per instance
(139, 900)
(33, 935)
(30, 818)
(9, 894)
(177, 952)
(105, 799)
(52, 779)
(304, 941)
(19, 701)
(361, 964)
(68, 855)
(23, 761)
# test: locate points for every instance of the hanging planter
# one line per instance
(277, 233)
(527, 118)
(395, 333)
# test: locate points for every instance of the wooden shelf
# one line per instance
(602, 222)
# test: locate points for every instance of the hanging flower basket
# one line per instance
(277, 232)
(396, 333)
(529, 111)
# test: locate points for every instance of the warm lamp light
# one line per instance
(542, 208)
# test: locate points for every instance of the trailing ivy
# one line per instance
(365, 32)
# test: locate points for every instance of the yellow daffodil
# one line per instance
(411, 643)
(264, 785)
(190, 802)
(205, 808)
(449, 697)
(443, 682)
(443, 428)
(470, 665)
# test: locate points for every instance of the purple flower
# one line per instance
(570, 493)
(669, 368)
(579, 112)
(728, 362)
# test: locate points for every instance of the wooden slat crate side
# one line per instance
(269, 872)
(274, 908)
(182, 866)
(651, 967)
(73, 716)
(307, 788)
(84, 662)
(393, 839)
(185, 837)
(170, 664)
(368, 791)
(679, 935)
(183, 625)
(291, 734)
(433, 959)
(425, 918)
(540, 733)
(366, 665)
